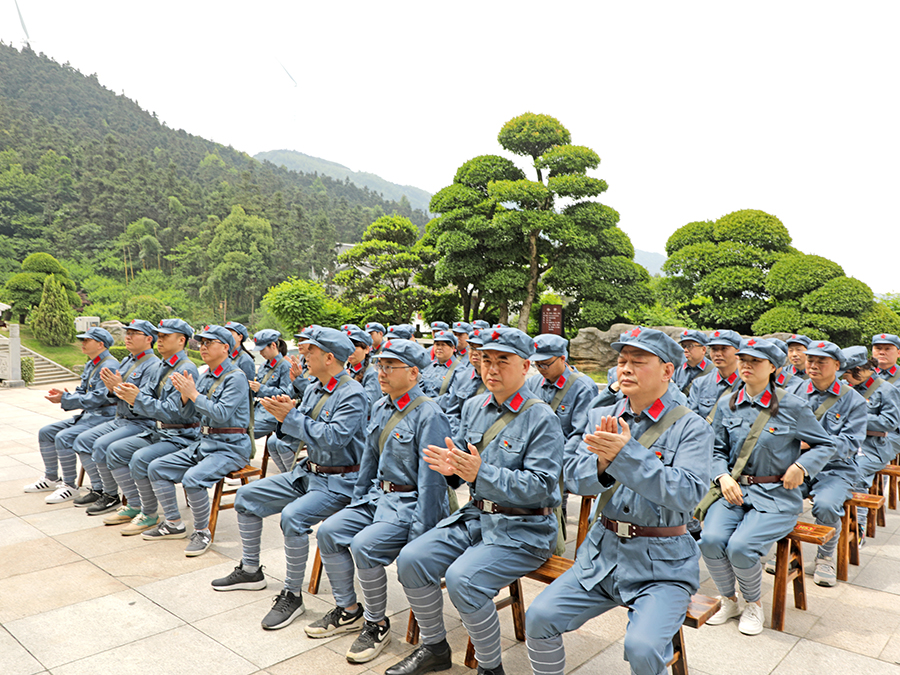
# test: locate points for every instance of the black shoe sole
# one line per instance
(287, 621)
(242, 586)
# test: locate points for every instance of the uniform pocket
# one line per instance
(671, 548)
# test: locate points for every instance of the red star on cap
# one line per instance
(387, 345)
(133, 320)
(206, 328)
(716, 334)
(536, 345)
(820, 345)
(636, 332)
(160, 322)
(684, 333)
(883, 336)
(495, 335)
(751, 342)
(477, 331)
(350, 332)
(793, 336)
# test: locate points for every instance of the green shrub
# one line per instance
(841, 295)
(796, 275)
(28, 369)
(841, 330)
(54, 321)
(780, 319)
(880, 319)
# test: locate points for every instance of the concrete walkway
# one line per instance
(77, 598)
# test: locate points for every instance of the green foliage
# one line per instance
(532, 135)
(442, 306)
(27, 369)
(119, 351)
(296, 303)
(841, 330)
(145, 307)
(692, 233)
(54, 321)
(658, 314)
(478, 172)
(43, 263)
(842, 295)
(738, 312)
(730, 282)
(526, 194)
(779, 319)
(567, 159)
(881, 318)
(455, 196)
(24, 290)
(756, 228)
(796, 275)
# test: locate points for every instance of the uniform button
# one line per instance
(626, 509)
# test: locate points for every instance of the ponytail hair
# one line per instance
(282, 347)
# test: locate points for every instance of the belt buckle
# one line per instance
(385, 486)
(744, 480)
(488, 506)
(313, 466)
(623, 530)
(204, 430)
(159, 424)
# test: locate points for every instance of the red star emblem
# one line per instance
(883, 336)
(495, 335)
(535, 345)
(477, 331)
(350, 332)
(636, 332)
(751, 342)
(820, 345)
(160, 323)
(387, 345)
(716, 334)
(685, 333)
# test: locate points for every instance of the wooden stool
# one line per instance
(789, 567)
(892, 471)
(244, 475)
(699, 611)
(584, 519)
(315, 576)
(80, 482)
(265, 458)
(848, 544)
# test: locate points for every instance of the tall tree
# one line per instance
(54, 321)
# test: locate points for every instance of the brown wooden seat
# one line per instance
(892, 471)
(789, 567)
(700, 609)
(264, 465)
(848, 544)
(584, 519)
(244, 475)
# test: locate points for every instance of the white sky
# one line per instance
(697, 109)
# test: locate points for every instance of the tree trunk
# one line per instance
(466, 303)
(531, 288)
(504, 313)
(475, 307)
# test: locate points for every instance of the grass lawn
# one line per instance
(69, 356)
(598, 376)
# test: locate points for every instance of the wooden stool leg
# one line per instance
(518, 609)
(214, 508)
(80, 477)
(265, 457)
(679, 657)
(843, 547)
(894, 485)
(584, 519)
(412, 629)
(800, 577)
(316, 575)
(779, 593)
(854, 537)
(470, 660)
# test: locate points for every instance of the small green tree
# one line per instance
(296, 303)
(24, 290)
(54, 320)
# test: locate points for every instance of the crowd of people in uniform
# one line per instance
(701, 447)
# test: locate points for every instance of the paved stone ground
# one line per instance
(76, 598)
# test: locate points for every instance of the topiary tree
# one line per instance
(24, 290)
(793, 276)
(296, 303)
(879, 319)
(842, 295)
(54, 321)
(145, 307)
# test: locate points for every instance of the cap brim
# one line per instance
(211, 336)
(757, 354)
(723, 342)
(493, 347)
(85, 336)
(645, 348)
(820, 352)
(543, 357)
(394, 355)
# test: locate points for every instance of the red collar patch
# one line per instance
(172, 360)
(234, 354)
(810, 387)
(357, 367)
(490, 397)
(835, 388)
(780, 379)
(893, 370)
(272, 363)
(740, 398)
(218, 371)
(402, 402)
(702, 364)
(461, 352)
(96, 360)
(332, 383)
(516, 402)
(868, 383)
(142, 355)
(766, 399)
(730, 379)
(561, 382)
(472, 376)
(655, 410)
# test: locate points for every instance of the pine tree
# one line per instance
(54, 321)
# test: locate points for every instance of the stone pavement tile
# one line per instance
(34, 555)
(86, 628)
(101, 540)
(181, 651)
(813, 658)
(54, 522)
(190, 596)
(321, 659)
(395, 651)
(5, 512)
(7, 461)
(15, 659)
(880, 574)
(18, 471)
(8, 447)
(30, 503)
(11, 433)
(32, 458)
(864, 630)
(889, 546)
(891, 651)
(48, 589)
(239, 629)
(15, 531)
(14, 488)
(716, 649)
(160, 560)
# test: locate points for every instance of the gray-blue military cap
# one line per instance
(509, 340)
(219, 333)
(654, 341)
(461, 327)
(480, 324)
(445, 336)
(144, 327)
(375, 326)
(548, 346)
(170, 326)
(799, 340)
(101, 335)
(855, 356)
(407, 351)
(728, 338)
(401, 331)
(825, 348)
(357, 334)
(886, 339)
(695, 335)
(763, 349)
(306, 332)
(264, 338)
(476, 339)
(238, 328)
(782, 345)
(332, 341)
(439, 325)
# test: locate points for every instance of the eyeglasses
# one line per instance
(206, 342)
(543, 365)
(386, 369)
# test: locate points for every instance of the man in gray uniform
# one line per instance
(695, 365)
(707, 390)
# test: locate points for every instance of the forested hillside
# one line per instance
(90, 177)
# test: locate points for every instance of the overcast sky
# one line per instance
(697, 109)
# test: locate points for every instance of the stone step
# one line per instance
(45, 370)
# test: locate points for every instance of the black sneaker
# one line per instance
(104, 504)
(370, 642)
(287, 607)
(338, 620)
(87, 498)
(240, 580)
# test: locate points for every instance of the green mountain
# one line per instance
(297, 161)
(652, 262)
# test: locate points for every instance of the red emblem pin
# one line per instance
(716, 334)
(636, 332)
(883, 336)
(495, 335)
(387, 345)
(751, 342)
(820, 345)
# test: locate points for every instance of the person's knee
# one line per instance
(644, 652)
(741, 555)
(827, 509)
(294, 523)
(540, 617)
(192, 481)
(327, 538)
(461, 591)
(713, 544)
(411, 570)
(155, 471)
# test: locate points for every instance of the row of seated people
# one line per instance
(378, 472)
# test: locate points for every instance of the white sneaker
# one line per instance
(42, 484)
(63, 493)
(752, 619)
(729, 610)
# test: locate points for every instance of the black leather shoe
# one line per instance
(423, 660)
(496, 670)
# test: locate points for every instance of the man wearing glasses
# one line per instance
(695, 365)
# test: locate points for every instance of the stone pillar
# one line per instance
(15, 358)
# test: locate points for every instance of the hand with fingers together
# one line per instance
(184, 383)
(127, 392)
(110, 378)
(607, 440)
(451, 460)
(278, 406)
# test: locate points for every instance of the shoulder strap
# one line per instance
(728, 391)
(219, 381)
(396, 418)
(750, 442)
(873, 387)
(327, 395)
(647, 439)
(501, 423)
(445, 383)
(561, 394)
(894, 378)
(162, 380)
(480, 389)
(830, 401)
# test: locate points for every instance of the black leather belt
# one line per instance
(756, 480)
(492, 507)
(160, 425)
(629, 530)
(318, 468)
(388, 486)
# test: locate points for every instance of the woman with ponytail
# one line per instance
(358, 364)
